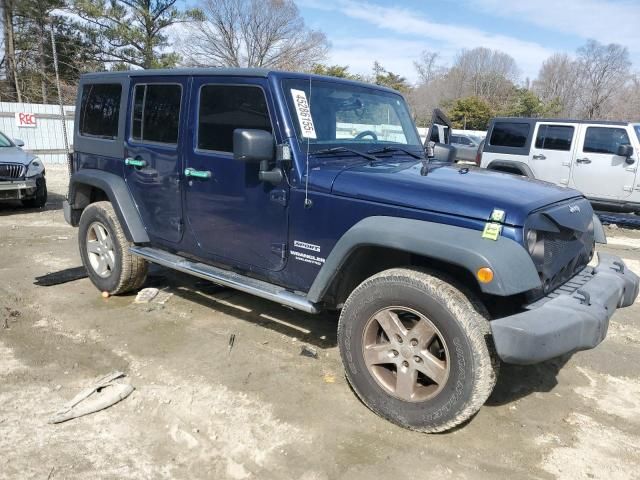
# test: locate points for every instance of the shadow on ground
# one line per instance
(518, 381)
(14, 207)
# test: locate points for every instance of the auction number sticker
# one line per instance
(304, 113)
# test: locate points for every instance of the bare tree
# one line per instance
(252, 33)
(427, 66)
(558, 83)
(603, 71)
(483, 73)
(625, 105)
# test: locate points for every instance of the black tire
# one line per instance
(128, 272)
(40, 198)
(458, 319)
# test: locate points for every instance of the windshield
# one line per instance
(336, 114)
(4, 141)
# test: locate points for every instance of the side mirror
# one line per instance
(18, 142)
(257, 146)
(625, 151)
(250, 145)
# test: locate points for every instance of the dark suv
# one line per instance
(315, 192)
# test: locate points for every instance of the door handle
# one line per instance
(539, 157)
(192, 172)
(583, 160)
(135, 162)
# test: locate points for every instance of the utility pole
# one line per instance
(54, 51)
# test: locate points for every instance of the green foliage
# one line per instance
(525, 103)
(131, 32)
(381, 76)
(339, 71)
(471, 113)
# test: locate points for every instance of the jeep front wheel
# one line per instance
(105, 254)
(417, 350)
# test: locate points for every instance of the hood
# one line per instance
(15, 155)
(459, 191)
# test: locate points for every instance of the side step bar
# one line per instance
(226, 278)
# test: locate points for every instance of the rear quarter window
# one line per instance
(156, 113)
(509, 134)
(100, 110)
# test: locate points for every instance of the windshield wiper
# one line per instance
(368, 156)
(397, 149)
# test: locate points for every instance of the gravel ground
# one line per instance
(261, 410)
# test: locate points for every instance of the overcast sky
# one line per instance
(394, 33)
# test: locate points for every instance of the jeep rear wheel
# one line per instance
(105, 254)
(417, 350)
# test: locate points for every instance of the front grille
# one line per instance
(565, 254)
(565, 242)
(11, 170)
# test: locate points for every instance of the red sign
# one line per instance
(24, 119)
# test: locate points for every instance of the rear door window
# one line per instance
(156, 113)
(223, 108)
(554, 137)
(604, 140)
(100, 110)
(509, 134)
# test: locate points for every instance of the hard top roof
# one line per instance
(556, 120)
(224, 72)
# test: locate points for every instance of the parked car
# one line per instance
(596, 157)
(237, 176)
(466, 146)
(22, 174)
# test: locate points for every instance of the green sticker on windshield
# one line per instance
(491, 231)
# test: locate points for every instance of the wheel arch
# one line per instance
(90, 185)
(510, 166)
(395, 242)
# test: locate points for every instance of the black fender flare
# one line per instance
(521, 166)
(514, 271)
(116, 190)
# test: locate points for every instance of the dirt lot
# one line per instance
(260, 410)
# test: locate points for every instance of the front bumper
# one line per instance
(573, 317)
(17, 189)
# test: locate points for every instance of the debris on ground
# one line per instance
(309, 352)
(104, 393)
(232, 341)
(162, 297)
(63, 276)
(9, 313)
(146, 295)
(152, 295)
(329, 378)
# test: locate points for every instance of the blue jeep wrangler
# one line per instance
(316, 193)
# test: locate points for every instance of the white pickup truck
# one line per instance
(599, 158)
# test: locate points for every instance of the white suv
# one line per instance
(598, 158)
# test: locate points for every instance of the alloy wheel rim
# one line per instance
(406, 354)
(100, 250)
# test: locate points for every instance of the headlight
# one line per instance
(532, 239)
(35, 167)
